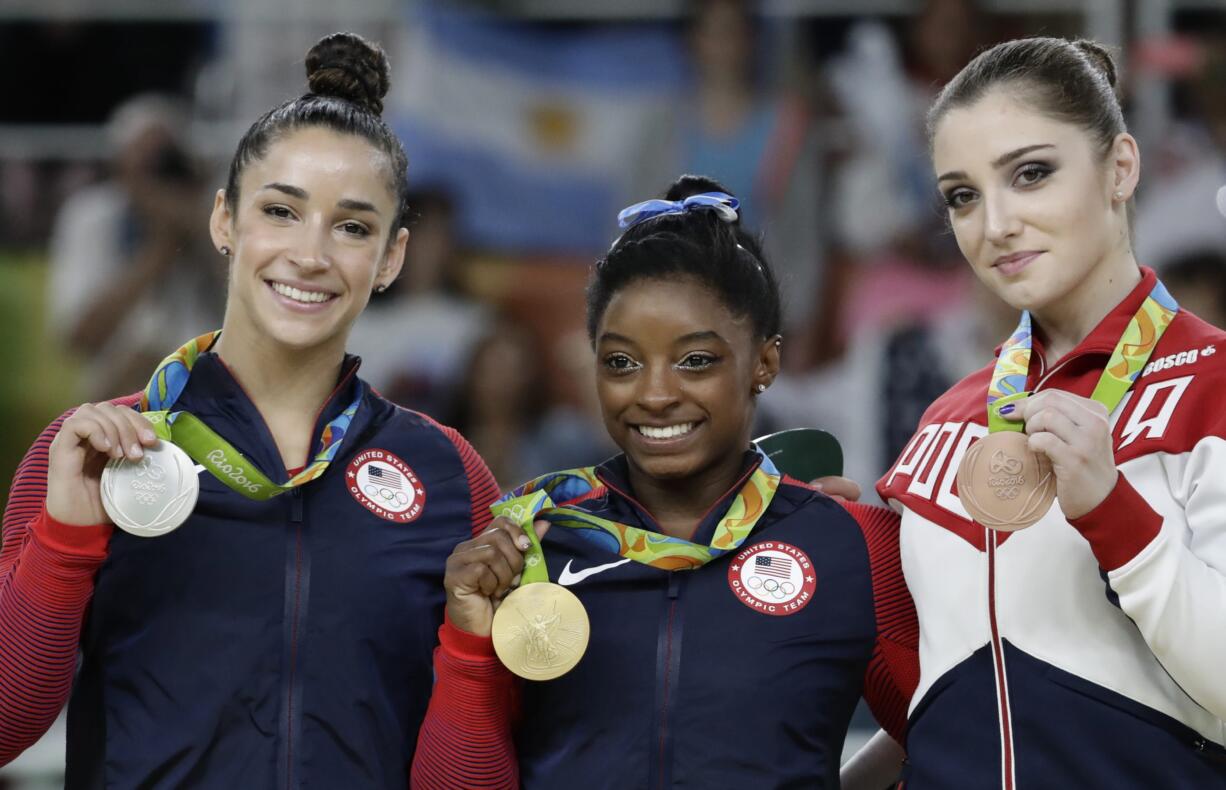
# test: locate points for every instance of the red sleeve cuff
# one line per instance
(83, 543)
(464, 645)
(1120, 527)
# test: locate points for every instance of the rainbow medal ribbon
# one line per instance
(541, 629)
(1002, 483)
(155, 495)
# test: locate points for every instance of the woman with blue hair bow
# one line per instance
(736, 614)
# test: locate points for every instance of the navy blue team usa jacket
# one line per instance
(741, 673)
(283, 643)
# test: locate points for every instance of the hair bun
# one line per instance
(1099, 57)
(689, 185)
(347, 66)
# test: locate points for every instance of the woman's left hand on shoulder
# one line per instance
(1073, 432)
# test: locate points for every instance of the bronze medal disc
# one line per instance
(1004, 484)
(540, 631)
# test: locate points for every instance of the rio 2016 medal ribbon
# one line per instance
(1004, 484)
(186, 438)
(541, 629)
(152, 496)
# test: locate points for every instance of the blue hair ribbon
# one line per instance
(724, 205)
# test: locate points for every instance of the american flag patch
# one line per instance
(779, 567)
(388, 477)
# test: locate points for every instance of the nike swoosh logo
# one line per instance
(568, 578)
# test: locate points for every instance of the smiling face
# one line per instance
(309, 237)
(1032, 202)
(675, 373)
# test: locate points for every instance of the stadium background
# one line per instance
(528, 123)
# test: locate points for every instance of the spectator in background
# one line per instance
(760, 144)
(872, 398)
(502, 408)
(416, 338)
(1197, 280)
(894, 254)
(1185, 209)
(130, 262)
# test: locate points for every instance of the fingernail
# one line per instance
(148, 436)
(817, 485)
(136, 451)
(515, 581)
(524, 543)
(1008, 408)
(106, 442)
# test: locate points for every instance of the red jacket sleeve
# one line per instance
(893, 670)
(46, 581)
(465, 740)
(482, 487)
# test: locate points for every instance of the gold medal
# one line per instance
(1004, 484)
(540, 631)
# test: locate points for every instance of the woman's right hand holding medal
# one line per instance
(483, 571)
(87, 440)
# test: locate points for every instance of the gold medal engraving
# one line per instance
(1004, 484)
(540, 631)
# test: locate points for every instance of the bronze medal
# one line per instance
(1004, 484)
(540, 631)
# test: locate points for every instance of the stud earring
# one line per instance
(380, 289)
(1119, 195)
(760, 388)
(225, 251)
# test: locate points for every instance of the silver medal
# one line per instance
(154, 495)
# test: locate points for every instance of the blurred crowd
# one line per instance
(817, 126)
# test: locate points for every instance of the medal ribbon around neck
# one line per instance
(535, 499)
(1131, 353)
(210, 450)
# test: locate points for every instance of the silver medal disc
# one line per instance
(154, 495)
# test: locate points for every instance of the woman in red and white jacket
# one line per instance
(1085, 650)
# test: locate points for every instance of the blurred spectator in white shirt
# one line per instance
(133, 274)
(416, 338)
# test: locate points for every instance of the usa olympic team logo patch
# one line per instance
(772, 578)
(385, 485)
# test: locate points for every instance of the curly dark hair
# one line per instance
(698, 245)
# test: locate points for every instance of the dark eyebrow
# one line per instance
(297, 192)
(1020, 152)
(357, 205)
(347, 203)
(706, 334)
(1000, 161)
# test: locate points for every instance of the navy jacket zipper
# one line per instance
(297, 575)
(668, 664)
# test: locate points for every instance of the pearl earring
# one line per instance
(1119, 195)
(380, 289)
(761, 388)
(225, 251)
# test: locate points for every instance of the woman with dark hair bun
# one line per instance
(1063, 510)
(736, 614)
(282, 635)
